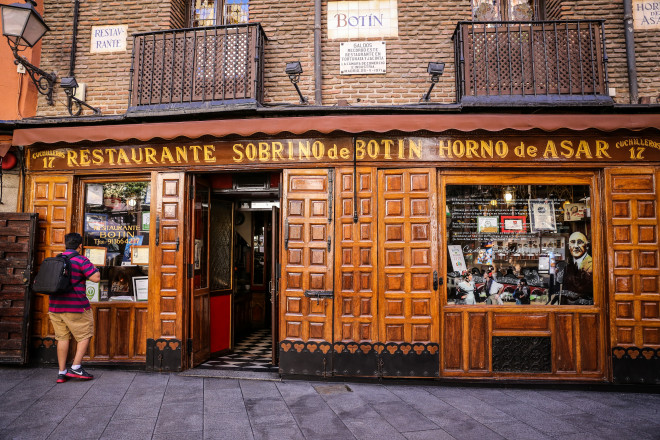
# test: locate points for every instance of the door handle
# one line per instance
(435, 280)
(157, 230)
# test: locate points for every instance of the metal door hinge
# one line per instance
(190, 270)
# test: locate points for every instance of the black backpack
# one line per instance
(54, 276)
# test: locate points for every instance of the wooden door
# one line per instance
(167, 281)
(408, 272)
(307, 275)
(275, 279)
(198, 272)
(356, 278)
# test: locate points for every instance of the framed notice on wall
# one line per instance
(140, 255)
(95, 254)
(542, 216)
(141, 288)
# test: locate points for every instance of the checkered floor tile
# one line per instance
(253, 353)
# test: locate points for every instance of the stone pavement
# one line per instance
(120, 404)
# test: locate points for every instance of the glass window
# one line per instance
(504, 10)
(116, 237)
(213, 12)
(519, 244)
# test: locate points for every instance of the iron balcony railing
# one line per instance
(198, 66)
(509, 62)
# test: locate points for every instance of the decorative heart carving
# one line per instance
(312, 347)
(286, 346)
(352, 348)
(325, 348)
(648, 353)
(433, 349)
(619, 352)
(48, 343)
(366, 348)
(299, 346)
(161, 345)
(379, 348)
(339, 348)
(405, 348)
(392, 349)
(633, 353)
(419, 349)
(174, 345)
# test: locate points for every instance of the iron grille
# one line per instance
(560, 59)
(220, 64)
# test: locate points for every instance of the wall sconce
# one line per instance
(294, 70)
(24, 27)
(69, 84)
(435, 70)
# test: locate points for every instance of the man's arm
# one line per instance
(96, 277)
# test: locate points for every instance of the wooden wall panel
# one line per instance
(633, 200)
(120, 333)
(452, 341)
(589, 343)
(564, 350)
(356, 257)
(50, 196)
(478, 342)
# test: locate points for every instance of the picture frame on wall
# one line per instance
(95, 254)
(542, 216)
(141, 288)
(95, 222)
(514, 224)
(94, 194)
(146, 219)
(487, 225)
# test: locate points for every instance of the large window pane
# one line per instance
(537, 234)
(116, 219)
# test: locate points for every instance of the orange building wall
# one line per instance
(19, 95)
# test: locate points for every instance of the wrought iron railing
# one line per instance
(197, 66)
(506, 62)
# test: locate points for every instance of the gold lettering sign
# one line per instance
(331, 150)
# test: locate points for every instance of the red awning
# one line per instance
(327, 124)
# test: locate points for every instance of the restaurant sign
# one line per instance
(546, 149)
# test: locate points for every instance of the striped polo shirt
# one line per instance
(75, 301)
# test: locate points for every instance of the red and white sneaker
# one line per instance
(79, 373)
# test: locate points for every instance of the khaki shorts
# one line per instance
(80, 325)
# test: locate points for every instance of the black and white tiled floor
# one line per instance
(253, 353)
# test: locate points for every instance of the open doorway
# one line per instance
(242, 265)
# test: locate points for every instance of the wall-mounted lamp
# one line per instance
(435, 70)
(69, 84)
(294, 70)
(24, 27)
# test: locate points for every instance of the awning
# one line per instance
(327, 124)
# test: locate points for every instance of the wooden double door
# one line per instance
(360, 278)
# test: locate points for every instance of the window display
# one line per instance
(524, 244)
(116, 219)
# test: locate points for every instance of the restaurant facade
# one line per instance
(361, 228)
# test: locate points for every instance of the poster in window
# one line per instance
(92, 291)
(95, 222)
(141, 288)
(542, 216)
(574, 212)
(95, 254)
(457, 258)
(94, 195)
(513, 224)
(146, 218)
(487, 225)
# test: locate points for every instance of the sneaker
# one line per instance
(80, 373)
(61, 378)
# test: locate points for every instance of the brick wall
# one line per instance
(425, 30)
(106, 74)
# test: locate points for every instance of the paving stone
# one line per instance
(83, 423)
(230, 426)
(175, 417)
(515, 430)
(404, 418)
(137, 429)
(436, 434)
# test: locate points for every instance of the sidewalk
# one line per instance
(135, 405)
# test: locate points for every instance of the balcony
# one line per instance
(531, 63)
(197, 68)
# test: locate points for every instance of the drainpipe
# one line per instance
(74, 40)
(318, 98)
(630, 50)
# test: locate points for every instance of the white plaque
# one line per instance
(646, 14)
(109, 38)
(363, 57)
